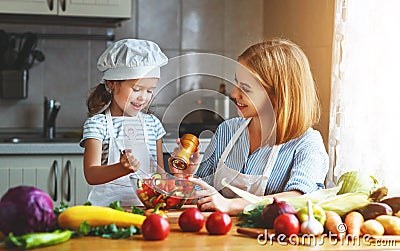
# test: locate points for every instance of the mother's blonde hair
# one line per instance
(284, 71)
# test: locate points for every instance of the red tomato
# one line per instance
(191, 220)
(218, 223)
(286, 224)
(155, 227)
(173, 202)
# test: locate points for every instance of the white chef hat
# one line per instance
(131, 59)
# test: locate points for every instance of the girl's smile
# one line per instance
(137, 106)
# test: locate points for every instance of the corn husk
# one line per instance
(351, 193)
(299, 201)
(344, 203)
(328, 199)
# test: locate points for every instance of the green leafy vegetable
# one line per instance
(136, 210)
(110, 231)
(116, 205)
(251, 218)
(59, 210)
(355, 181)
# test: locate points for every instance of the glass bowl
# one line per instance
(172, 190)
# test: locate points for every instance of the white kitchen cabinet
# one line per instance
(61, 176)
(77, 8)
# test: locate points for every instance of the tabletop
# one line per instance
(178, 240)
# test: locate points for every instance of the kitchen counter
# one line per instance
(178, 240)
(33, 143)
(40, 148)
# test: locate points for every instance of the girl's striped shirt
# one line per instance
(95, 127)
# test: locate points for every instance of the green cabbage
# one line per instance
(355, 181)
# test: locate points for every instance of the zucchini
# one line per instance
(97, 216)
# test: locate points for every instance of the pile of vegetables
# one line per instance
(356, 204)
(26, 209)
(28, 220)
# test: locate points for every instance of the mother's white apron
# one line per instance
(254, 184)
(121, 189)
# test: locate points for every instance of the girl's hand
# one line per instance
(194, 159)
(210, 198)
(129, 161)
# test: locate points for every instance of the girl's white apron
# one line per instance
(122, 189)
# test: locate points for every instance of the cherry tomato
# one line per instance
(191, 220)
(155, 227)
(218, 223)
(286, 224)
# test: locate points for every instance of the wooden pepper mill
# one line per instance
(189, 143)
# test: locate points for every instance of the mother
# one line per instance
(271, 149)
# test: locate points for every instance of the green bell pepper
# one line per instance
(34, 240)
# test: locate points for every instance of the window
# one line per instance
(365, 100)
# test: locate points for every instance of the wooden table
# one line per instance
(178, 240)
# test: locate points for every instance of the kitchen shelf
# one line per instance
(70, 36)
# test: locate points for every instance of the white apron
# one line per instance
(254, 184)
(121, 189)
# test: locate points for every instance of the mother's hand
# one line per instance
(210, 198)
(194, 159)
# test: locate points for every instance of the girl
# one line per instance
(118, 138)
(271, 149)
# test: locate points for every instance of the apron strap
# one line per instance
(268, 168)
(232, 142)
(110, 125)
(145, 132)
(271, 160)
(146, 139)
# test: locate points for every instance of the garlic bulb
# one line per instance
(311, 225)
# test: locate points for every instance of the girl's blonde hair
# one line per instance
(284, 71)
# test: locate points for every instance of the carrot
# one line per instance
(334, 224)
(354, 221)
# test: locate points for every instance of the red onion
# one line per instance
(273, 210)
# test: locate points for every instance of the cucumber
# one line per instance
(156, 176)
(139, 183)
